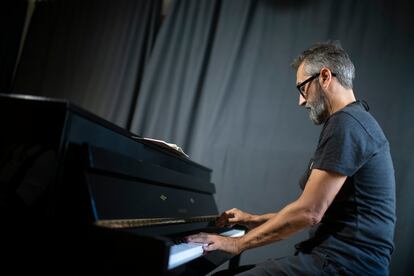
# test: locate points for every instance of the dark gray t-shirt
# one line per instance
(357, 230)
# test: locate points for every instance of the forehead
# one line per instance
(300, 74)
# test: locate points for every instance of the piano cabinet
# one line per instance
(80, 195)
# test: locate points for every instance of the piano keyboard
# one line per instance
(185, 252)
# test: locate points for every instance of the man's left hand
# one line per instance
(217, 242)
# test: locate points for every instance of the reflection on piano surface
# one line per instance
(80, 194)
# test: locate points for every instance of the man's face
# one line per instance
(315, 98)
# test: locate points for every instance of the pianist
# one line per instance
(348, 197)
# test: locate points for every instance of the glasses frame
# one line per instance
(311, 78)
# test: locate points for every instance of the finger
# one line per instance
(198, 238)
(233, 220)
(226, 214)
(221, 221)
(210, 247)
(232, 210)
(230, 213)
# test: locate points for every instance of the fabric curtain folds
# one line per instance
(219, 84)
(92, 53)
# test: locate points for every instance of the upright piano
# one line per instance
(80, 195)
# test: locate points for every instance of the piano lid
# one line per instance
(55, 122)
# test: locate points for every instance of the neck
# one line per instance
(341, 99)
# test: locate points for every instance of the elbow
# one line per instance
(311, 213)
(312, 217)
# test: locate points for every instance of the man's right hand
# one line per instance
(235, 216)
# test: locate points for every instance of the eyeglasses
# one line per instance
(301, 86)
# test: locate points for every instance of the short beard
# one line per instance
(318, 108)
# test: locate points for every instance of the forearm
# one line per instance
(288, 221)
(257, 220)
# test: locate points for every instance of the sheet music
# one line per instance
(164, 144)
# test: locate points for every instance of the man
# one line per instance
(348, 196)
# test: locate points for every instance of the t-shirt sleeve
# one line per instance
(344, 146)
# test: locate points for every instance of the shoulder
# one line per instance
(343, 117)
(343, 123)
(353, 128)
(355, 120)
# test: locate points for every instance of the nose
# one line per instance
(302, 100)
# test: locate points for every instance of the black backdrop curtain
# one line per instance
(90, 52)
(12, 18)
(219, 84)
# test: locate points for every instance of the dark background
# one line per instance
(214, 77)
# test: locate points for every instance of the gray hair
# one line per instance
(330, 55)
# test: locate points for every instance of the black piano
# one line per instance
(80, 195)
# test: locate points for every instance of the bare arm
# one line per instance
(257, 220)
(307, 210)
(320, 191)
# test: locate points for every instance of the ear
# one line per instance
(326, 77)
